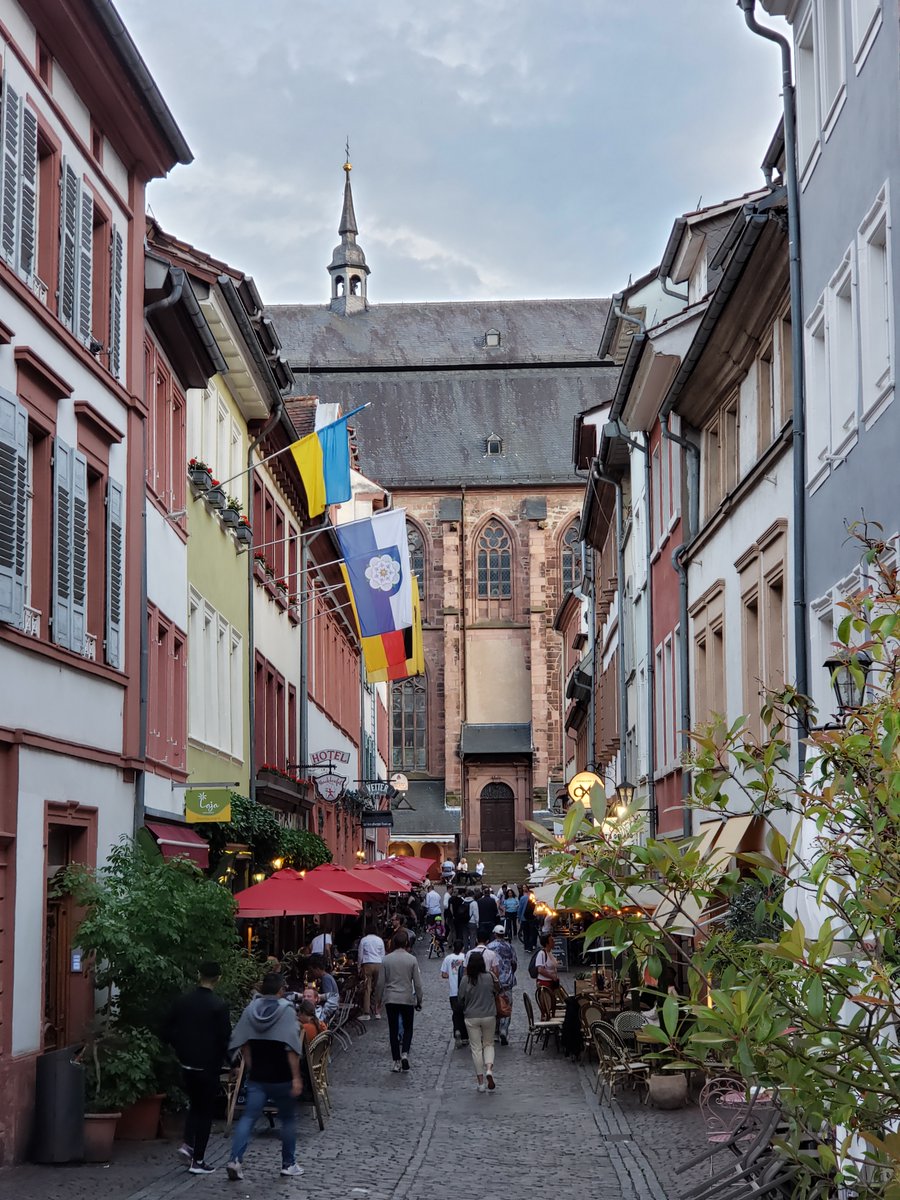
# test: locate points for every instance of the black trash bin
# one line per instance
(58, 1108)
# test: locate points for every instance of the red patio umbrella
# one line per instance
(288, 894)
(348, 883)
(392, 880)
(418, 868)
(393, 868)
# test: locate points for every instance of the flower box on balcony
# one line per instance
(243, 534)
(216, 498)
(294, 613)
(200, 475)
(230, 517)
(259, 570)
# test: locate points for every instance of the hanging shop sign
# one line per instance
(579, 787)
(207, 804)
(376, 788)
(331, 785)
(376, 820)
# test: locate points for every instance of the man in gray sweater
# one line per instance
(399, 989)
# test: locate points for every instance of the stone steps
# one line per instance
(503, 866)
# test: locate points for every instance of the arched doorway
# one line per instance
(433, 851)
(401, 849)
(498, 817)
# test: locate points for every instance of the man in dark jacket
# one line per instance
(199, 1028)
(488, 914)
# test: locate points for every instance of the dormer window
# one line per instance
(492, 338)
(493, 445)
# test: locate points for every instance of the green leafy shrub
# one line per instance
(303, 850)
(120, 1068)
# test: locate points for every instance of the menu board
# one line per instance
(561, 952)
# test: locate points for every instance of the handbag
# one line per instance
(503, 1005)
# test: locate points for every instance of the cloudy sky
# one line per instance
(501, 148)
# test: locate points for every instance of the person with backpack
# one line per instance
(458, 914)
(450, 970)
(544, 966)
(472, 928)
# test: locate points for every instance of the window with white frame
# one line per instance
(840, 333)
(667, 688)
(817, 425)
(875, 305)
(665, 484)
(215, 679)
(806, 88)
(831, 43)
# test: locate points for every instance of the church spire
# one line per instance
(348, 269)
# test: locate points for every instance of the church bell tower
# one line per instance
(348, 269)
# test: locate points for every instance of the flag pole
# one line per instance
(284, 449)
(311, 533)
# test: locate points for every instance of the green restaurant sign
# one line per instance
(207, 804)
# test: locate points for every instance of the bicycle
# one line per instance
(437, 947)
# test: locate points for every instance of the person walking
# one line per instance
(487, 914)
(434, 906)
(507, 965)
(268, 1037)
(479, 1008)
(529, 924)
(198, 1028)
(458, 915)
(400, 990)
(511, 912)
(520, 911)
(450, 971)
(369, 957)
(472, 927)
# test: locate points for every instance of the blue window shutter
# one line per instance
(116, 274)
(63, 471)
(10, 130)
(79, 551)
(85, 263)
(28, 196)
(68, 238)
(115, 572)
(13, 505)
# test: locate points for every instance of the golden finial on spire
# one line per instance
(348, 166)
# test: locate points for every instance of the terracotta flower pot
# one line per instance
(99, 1132)
(668, 1090)
(140, 1121)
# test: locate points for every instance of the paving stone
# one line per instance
(394, 1137)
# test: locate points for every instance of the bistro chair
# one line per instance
(614, 1067)
(338, 1021)
(545, 1004)
(625, 1025)
(754, 1167)
(317, 1058)
(538, 1031)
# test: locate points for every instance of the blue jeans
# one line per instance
(257, 1094)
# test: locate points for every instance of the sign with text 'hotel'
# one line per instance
(207, 804)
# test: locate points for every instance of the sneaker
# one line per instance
(293, 1171)
(234, 1170)
(201, 1168)
(378, 1016)
(395, 1066)
(404, 1062)
(457, 1036)
(490, 1082)
(482, 1087)
(363, 1017)
(187, 1152)
(504, 1040)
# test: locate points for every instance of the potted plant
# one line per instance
(231, 513)
(281, 592)
(215, 497)
(122, 1097)
(260, 566)
(294, 609)
(243, 531)
(199, 474)
(669, 1083)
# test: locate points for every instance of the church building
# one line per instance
(470, 428)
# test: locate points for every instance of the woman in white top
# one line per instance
(322, 944)
(546, 964)
(369, 957)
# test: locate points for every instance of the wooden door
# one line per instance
(498, 818)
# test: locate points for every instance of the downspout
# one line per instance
(588, 574)
(251, 639)
(463, 797)
(801, 657)
(620, 590)
(651, 655)
(140, 783)
(664, 284)
(678, 556)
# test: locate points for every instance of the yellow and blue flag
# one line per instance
(323, 460)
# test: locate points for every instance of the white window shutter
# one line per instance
(63, 470)
(13, 505)
(115, 573)
(79, 551)
(9, 199)
(68, 238)
(85, 263)
(28, 195)
(116, 273)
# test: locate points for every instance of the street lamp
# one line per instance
(360, 854)
(624, 797)
(849, 685)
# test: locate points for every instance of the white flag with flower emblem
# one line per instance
(377, 560)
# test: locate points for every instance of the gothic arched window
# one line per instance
(494, 563)
(416, 544)
(408, 746)
(570, 558)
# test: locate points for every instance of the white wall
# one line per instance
(166, 568)
(43, 778)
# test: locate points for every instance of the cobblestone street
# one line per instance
(414, 1136)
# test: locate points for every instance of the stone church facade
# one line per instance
(470, 429)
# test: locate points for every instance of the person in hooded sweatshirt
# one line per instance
(268, 1037)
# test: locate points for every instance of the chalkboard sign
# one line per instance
(561, 952)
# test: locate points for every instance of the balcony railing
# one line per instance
(89, 649)
(32, 623)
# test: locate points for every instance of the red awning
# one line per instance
(177, 841)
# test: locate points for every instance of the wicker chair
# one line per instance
(625, 1025)
(317, 1058)
(538, 1031)
(544, 998)
(614, 1067)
